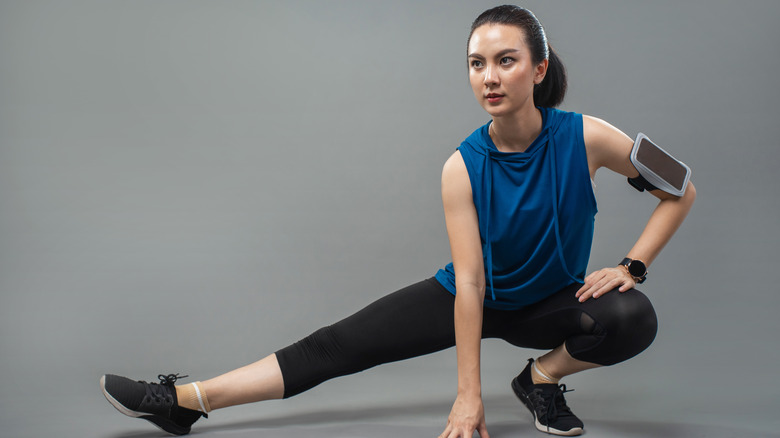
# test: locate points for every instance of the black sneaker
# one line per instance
(154, 402)
(546, 403)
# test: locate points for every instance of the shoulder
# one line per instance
(454, 167)
(565, 125)
(455, 182)
(607, 146)
(555, 116)
(598, 132)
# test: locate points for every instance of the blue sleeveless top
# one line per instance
(536, 211)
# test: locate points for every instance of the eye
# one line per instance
(475, 63)
(506, 60)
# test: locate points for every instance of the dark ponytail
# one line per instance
(552, 90)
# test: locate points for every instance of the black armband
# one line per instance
(641, 184)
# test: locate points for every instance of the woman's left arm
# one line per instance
(609, 147)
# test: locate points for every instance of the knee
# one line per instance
(334, 346)
(634, 315)
(628, 326)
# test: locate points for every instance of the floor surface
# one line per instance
(398, 400)
(416, 420)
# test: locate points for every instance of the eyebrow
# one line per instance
(498, 55)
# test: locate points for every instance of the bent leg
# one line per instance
(617, 326)
(603, 331)
(411, 322)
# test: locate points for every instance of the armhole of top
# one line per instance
(580, 135)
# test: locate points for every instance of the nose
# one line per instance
(491, 75)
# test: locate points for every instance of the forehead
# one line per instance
(496, 37)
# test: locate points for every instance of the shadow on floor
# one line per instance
(323, 420)
(392, 421)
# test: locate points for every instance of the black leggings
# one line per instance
(419, 320)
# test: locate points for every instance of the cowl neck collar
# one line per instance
(482, 143)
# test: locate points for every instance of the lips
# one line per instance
(494, 97)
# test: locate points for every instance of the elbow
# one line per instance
(690, 194)
(473, 287)
(480, 289)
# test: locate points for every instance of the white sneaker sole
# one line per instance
(552, 431)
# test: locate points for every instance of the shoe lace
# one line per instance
(558, 404)
(160, 393)
(554, 407)
(169, 379)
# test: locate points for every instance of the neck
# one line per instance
(514, 133)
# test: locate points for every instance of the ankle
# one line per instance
(539, 375)
(192, 396)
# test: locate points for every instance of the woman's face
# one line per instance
(501, 71)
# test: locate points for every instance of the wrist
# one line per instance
(470, 395)
(635, 268)
(469, 391)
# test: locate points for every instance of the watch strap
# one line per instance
(626, 262)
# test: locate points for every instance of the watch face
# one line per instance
(637, 268)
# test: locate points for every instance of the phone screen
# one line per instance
(661, 163)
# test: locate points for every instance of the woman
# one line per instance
(519, 210)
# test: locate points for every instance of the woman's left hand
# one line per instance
(604, 280)
(467, 416)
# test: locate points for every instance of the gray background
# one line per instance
(186, 186)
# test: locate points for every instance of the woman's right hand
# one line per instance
(466, 416)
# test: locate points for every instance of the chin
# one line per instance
(496, 111)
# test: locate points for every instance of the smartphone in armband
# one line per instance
(657, 168)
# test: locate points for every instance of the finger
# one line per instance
(591, 291)
(624, 281)
(607, 286)
(587, 285)
(483, 433)
(459, 432)
(584, 296)
(585, 293)
(589, 282)
(584, 289)
(455, 433)
(595, 276)
(628, 285)
(621, 283)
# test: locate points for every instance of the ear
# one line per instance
(541, 71)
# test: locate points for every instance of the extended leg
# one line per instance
(255, 382)
(411, 322)
(385, 331)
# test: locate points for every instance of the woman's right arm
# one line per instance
(467, 413)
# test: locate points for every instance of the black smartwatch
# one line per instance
(636, 269)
